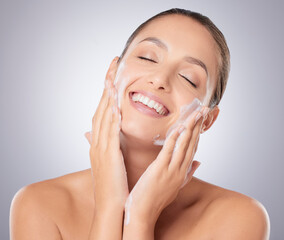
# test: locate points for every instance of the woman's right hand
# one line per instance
(107, 163)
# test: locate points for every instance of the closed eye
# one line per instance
(151, 60)
(188, 81)
(147, 59)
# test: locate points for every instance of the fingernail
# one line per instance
(198, 116)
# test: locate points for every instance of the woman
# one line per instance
(178, 60)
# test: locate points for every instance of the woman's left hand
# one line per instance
(172, 169)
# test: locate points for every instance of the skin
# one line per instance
(90, 204)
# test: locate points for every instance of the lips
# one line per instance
(148, 103)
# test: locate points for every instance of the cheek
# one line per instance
(137, 128)
(208, 92)
(122, 80)
(126, 75)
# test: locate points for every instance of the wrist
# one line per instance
(105, 219)
(141, 217)
(139, 221)
(138, 229)
(108, 206)
(109, 211)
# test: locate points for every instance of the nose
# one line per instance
(160, 80)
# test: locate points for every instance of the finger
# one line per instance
(183, 142)
(187, 164)
(115, 127)
(97, 118)
(106, 120)
(165, 154)
(190, 148)
(189, 174)
(190, 156)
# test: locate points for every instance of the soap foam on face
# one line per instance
(120, 83)
(185, 112)
(185, 115)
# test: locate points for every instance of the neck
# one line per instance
(137, 157)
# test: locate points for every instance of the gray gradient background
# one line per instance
(53, 59)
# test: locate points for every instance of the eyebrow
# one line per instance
(188, 59)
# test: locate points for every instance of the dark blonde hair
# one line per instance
(224, 64)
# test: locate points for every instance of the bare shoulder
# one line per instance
(36, 209)
(232, 215)
(52, 193)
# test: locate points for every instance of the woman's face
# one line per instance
(171, 61)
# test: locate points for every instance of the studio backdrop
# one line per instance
(53, 60)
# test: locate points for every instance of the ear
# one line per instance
(111, 72)
(210, 119)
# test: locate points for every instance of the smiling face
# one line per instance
(172, 61)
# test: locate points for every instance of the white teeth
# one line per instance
(146, 100)
(135, 98)
(149, 102)
(156, 105)
(162, 112)
(159, 109)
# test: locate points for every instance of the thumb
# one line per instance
(88, 135)
(195, 165)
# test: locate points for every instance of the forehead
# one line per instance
(184, 37)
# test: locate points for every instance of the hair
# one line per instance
(224, 53)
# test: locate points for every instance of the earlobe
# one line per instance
(111, 73)
(210, 119)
